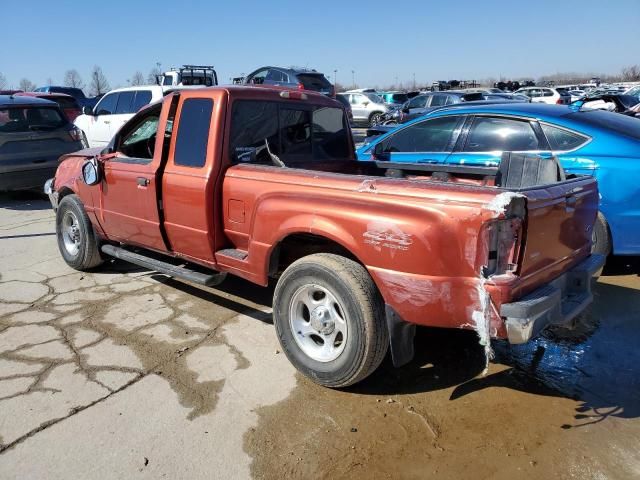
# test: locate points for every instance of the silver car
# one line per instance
(366, 107)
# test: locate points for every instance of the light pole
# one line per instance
(414, 81)
(335, 82)
(353, 79)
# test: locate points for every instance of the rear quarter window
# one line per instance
(561, 139)
(193, 132)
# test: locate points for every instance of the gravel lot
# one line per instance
(123, 373)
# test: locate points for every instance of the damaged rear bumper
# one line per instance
(557, 303)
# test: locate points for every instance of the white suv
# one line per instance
(546, 95)
(113, 110)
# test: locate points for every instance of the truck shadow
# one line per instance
(622, 265)
(24, 201)
(601, 372)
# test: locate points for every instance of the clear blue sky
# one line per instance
(379, 40)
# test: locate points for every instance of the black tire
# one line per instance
(76, 239)
(360, 304)
(375, 118)
(601, 238)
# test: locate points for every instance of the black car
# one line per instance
(76, 93)
(34, 133)
(301, 78)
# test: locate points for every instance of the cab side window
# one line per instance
(139, 142)
(429, 136)
(193, 132)
(107, 106)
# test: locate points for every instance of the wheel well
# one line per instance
(63, 192)
(299, 245)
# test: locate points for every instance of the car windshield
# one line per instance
(614, 122)
(314, 81)
(30, 119)
(373, 97)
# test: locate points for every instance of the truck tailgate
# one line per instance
(559, 226)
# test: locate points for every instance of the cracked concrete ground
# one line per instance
(123, 373)
(119, 372)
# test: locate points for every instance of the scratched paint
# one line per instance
(417, 292)
(387, 235)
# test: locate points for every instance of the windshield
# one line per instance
(30, 119)
(315, 81)
(373, 97)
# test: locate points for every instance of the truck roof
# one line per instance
(269, 93)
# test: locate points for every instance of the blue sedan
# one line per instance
(594, 142)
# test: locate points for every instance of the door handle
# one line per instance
(143, 182)
(107, 122)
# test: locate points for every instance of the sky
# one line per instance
(379, 41)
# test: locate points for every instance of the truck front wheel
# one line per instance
(329, 318)
(74, 231)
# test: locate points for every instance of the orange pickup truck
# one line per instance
(262, 183)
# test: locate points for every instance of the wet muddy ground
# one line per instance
(121, 373)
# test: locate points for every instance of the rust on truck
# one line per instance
(459, 252)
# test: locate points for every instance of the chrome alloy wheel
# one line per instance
(71, 233)
(318, 323)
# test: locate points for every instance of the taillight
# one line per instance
(75, 134)
(504, 239)
(560, 101)
(300, 86)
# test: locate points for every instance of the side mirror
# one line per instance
(405, 109)
(91, 172)
(86, 110)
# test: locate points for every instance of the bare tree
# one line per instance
(49, 81)
(137, 79)
(99, 83)
(27, 85)
(3, 81)
(73, 79)
(631, 73)
(152, 77)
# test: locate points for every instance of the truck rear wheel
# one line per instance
(76, 240)
(329, 318)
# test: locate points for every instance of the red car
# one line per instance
(68, 104)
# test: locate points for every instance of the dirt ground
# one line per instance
(123, 373)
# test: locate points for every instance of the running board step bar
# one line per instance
(184, 273)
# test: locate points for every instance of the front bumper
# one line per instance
(53, 195)
(556, 303)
